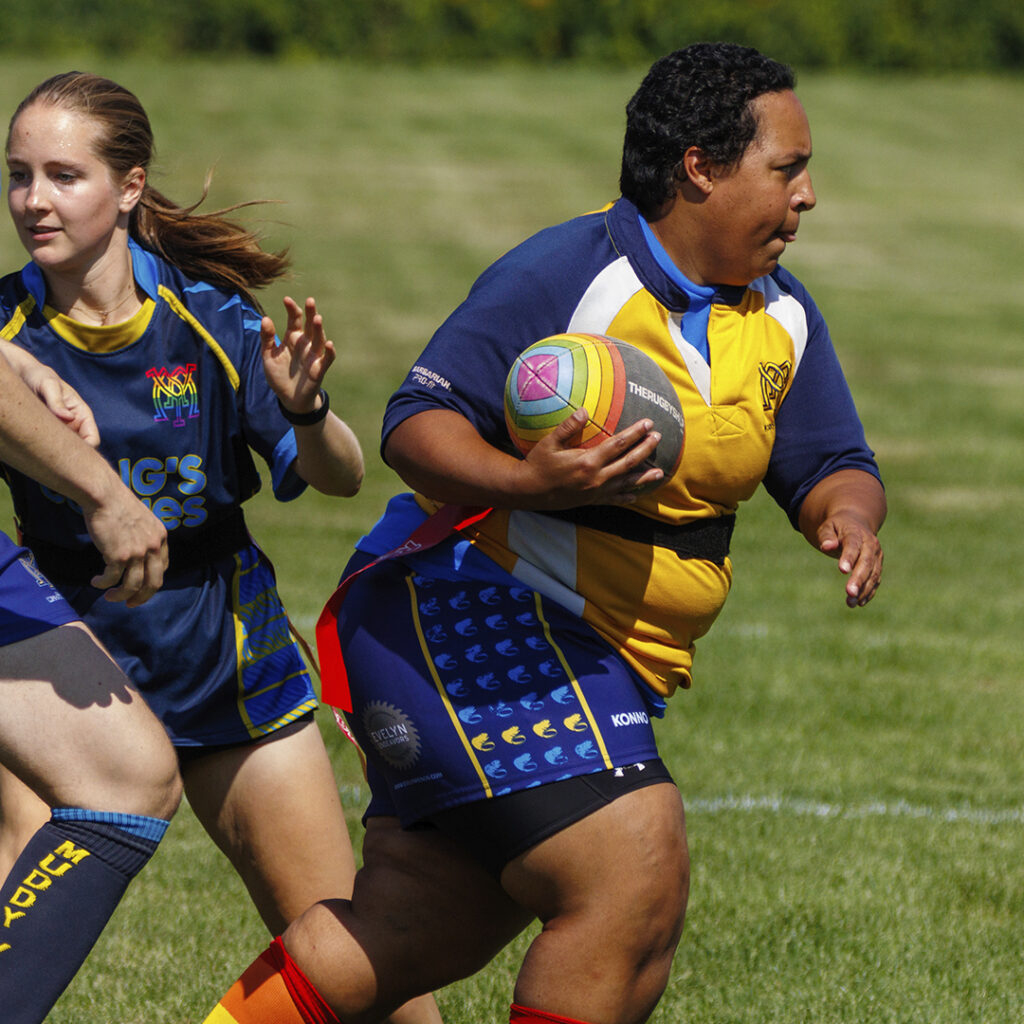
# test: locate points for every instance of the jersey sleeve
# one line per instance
(527, 295)
(265, 430)
(818, 431)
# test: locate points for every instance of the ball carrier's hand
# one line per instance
(565, 475)
(441, 455)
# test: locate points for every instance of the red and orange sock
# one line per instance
(273, 990)
(528, 1015)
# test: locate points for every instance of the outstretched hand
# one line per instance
(295, 366)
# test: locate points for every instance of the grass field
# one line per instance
(854, 780)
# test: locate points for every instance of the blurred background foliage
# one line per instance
(915, 35)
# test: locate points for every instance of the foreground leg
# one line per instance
(423, 915)
(22, 814)
(74, 731)
(272, 807)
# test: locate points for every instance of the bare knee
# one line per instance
(640, 936)
(159, 794)
(143, 781)
(328, 954)
(138, 773)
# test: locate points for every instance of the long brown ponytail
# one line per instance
(206, 246)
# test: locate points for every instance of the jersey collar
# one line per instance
(624, 226)
(697, 294)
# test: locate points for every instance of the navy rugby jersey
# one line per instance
(167, 388)
(768, 405)
(180, 397)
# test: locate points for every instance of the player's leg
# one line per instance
(22, 814)
(611, 894)
(75, 732)
(273, 808)
(610, 890)
(424, 914)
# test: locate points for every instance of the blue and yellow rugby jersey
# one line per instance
(181, 400)
(771, 405)
(167, 388)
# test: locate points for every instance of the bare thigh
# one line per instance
(77, 733)
(610, 891)
(272, 807)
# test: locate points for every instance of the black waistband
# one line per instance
(701, 538)
(186, 549)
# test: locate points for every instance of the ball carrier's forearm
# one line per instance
(441, 455)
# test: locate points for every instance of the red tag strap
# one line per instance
(334, 688)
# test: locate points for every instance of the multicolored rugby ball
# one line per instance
(614, 381)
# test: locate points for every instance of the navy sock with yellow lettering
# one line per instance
(58, 898)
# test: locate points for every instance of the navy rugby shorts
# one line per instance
(29, 603)
(211, 652)
(464, 689)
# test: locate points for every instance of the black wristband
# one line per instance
(306, 419)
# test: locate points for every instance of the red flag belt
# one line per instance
(334, 688)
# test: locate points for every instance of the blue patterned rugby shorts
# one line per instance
(211, 651)
(29, 603)
(466, 689)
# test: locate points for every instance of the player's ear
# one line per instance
(696, 169)
(131, 189)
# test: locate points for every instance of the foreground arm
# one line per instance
(59, 397)
(329, 456)
(440, 454)
(130, 538)
(841, 516)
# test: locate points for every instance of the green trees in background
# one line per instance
(919, 35)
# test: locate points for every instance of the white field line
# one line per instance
(878, 809)
(355, 795)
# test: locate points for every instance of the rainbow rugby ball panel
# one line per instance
(615, 382)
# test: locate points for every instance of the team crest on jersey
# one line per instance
(175, 394)
(774, 378)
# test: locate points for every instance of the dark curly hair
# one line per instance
(697, 96)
